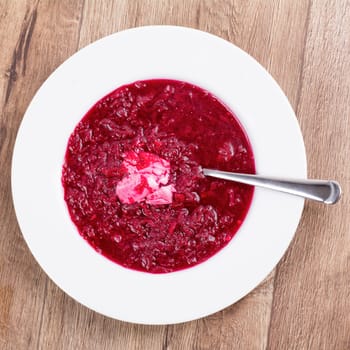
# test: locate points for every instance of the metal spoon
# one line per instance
(319, 190)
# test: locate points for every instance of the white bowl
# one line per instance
(142, 53)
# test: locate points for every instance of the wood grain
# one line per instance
(305, 45)
(314, 314)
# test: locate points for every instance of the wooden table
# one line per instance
(305, 45)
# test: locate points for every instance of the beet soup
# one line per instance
(133, 179)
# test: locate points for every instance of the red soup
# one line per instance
(133, 179)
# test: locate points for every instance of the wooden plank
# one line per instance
(118, 15)
(312, 294)
(69, 325)
(33, 47)
(21, 281)
(241, 326)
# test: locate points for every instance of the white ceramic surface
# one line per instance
(142, 53)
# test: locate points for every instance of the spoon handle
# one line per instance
(319, 190)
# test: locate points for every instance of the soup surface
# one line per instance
(133, 179)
